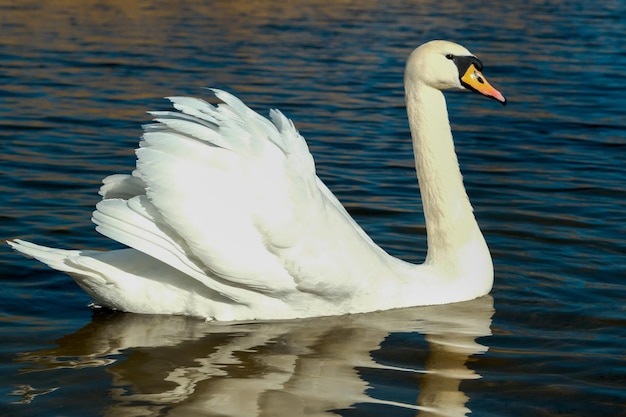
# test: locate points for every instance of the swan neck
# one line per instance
(450, 222)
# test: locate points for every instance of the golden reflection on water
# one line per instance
(181, 366)
(86, 22)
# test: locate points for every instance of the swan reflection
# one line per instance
(170, 366)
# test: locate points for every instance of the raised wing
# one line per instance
(232, 199)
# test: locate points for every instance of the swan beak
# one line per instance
(474, 80)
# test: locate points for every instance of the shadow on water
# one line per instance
(326, 366)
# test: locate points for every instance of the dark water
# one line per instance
(546, 175)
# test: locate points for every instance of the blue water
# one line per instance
(546, 175)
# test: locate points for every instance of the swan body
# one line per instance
(225, 218)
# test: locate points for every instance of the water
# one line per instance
(545, 175)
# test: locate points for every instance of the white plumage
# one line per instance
(226, 219)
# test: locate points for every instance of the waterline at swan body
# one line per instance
(225, 218)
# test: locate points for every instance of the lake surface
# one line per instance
(546, 175)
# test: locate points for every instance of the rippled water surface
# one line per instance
(546, 175)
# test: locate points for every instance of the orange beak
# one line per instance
(474, 80)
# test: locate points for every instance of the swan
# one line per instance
(224, 217)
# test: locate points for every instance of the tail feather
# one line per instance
(54, 258)
(115, 279)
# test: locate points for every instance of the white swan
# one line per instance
(226, 219)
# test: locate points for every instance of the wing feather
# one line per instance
(220, 188)
(232, 199)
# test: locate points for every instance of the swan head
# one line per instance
(446, 65)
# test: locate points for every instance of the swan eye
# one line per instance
(450, 56)
(477, 76)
